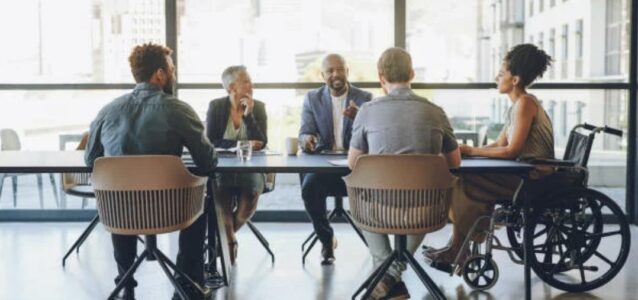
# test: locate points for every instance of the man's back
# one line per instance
(148, 121)
(402, 122)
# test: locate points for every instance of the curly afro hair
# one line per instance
(527, 62)
(145, 59)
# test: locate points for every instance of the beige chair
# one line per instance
(148, 195)
(79, 184)
(400, 195)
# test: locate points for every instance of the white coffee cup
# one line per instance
(292, 145)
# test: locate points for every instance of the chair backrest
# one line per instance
(400, 194)
(9, 140)
(146, 194)
(70, 180)
(578, 147)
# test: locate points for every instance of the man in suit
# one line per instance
(326, 124)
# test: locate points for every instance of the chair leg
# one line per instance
(312, 243)
(61, 192)
(348, 218)
(2, 176)
(163, 260)
(14, 185)
(427, 281)
(129, 273)
(261, 239)
(81, 238)
(308, 239)
(180, 290)
(379, 275)
(375, 273)
(55, 190)
(331, 215)
(40, 194)
(340, 211)
(312, 234)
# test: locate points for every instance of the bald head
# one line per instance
(335, 73)
(333, 58)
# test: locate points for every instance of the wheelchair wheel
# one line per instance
(570, 248)
(480, 273)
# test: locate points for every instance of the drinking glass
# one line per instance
(244, 150)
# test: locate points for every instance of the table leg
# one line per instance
(61, 192)
(526, 252)
(214, 280)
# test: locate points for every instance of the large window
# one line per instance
(69, 58)
(75, 41)
(564, 56)
(552, 51)
(616, 31)
(480, 110)
(281, 40)
(578, 60)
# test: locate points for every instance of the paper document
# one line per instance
(226, 150)
(339, 162)
(333, 152)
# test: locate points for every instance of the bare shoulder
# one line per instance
(526, 104)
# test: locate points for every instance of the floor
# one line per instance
(31, 268)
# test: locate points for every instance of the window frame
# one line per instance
(400, 21)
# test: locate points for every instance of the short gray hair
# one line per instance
(230, 75)
(395, 64)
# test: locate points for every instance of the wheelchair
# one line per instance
(562, 229)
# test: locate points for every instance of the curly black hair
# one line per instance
(527, 62)
(145, 59)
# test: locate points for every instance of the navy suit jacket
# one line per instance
(316, 116)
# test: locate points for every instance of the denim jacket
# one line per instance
(149, 121)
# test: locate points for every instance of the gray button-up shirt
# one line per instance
(149, 121)
(401, 123)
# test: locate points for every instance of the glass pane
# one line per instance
(281, 40)
(75, 41)
(51, 116)
(468, 41)
(283, 108)
(53, 113)
(479, 110)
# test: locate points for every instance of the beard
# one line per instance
(169, 87)
(338, 84)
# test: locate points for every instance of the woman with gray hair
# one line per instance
(237, 117)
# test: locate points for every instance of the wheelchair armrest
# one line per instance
(553, 162)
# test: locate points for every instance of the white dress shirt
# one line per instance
(338, 104)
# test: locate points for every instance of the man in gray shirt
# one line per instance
(399, 123)
(149, 120)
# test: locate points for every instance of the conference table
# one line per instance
(73, 162)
